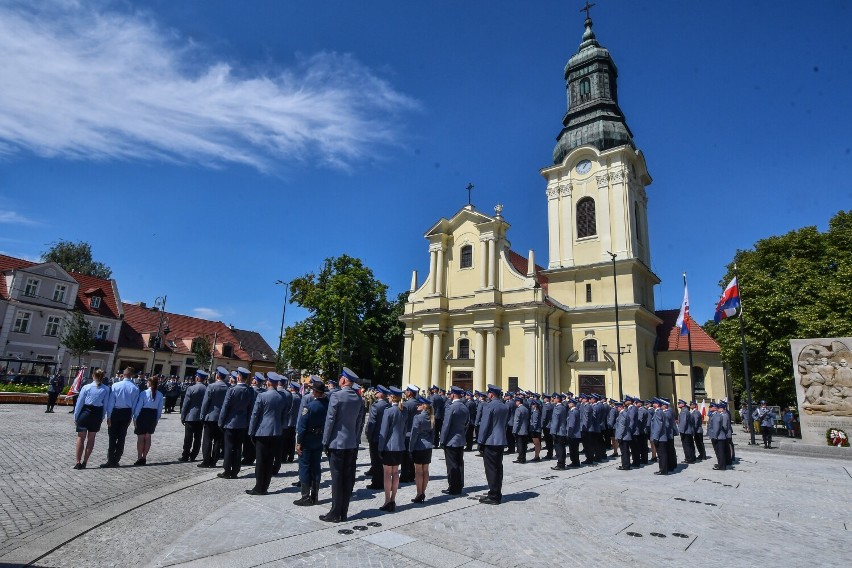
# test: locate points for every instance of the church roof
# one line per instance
(521, 264)
(670, 339)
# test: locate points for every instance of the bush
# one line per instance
(23, 388)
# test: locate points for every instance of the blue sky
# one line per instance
(208, 149)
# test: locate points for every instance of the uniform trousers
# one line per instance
(574, 450)
(192, 439)
(730, 452)
(688, 443)
(663, 455)
(548, 443)
(249, 453)
(766, 433)
(468, 438)
(699, 444)
(267, 448)
(624, 450)
(211, 443)
(454, 457)
(671, 453)
(288, 444)
(117, 432)
(588, 446)
(510, 440)
(309, 465)
(342, 463)
(720, 448)
(636, 452)
(377, 470)
(406, 471)
(521, 443)
(643, 455)
(436, 439)
(560, 442)
(493, 462)
(233, 450)
(603, 443)
(51, 400)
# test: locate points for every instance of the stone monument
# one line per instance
(823, 378)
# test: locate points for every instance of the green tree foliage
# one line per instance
(202, 351)
(792, 286)
(76, 257)
(346, 301)
(77, 336)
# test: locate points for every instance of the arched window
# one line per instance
(585, 89)
(466, 260)
(590, 351)
(698, 382)
(638, 221)
(464, 349)
(586, 218)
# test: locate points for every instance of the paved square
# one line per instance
(772, 507)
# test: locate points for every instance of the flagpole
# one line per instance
(689, 344)
(745, 361)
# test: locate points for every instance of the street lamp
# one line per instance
(161, 331)
(617, 331)
(278, 363)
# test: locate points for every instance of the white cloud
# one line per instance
(12, 218)
(80, 83)
(207, 313)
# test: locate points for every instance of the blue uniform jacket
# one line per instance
(765, 416)
(623, 427)
(546, 413)
(685, 422)
(479, 406)
(295, 408)
(310, 424)
(535, 419)
(237, 407)
(572, 425)
(714, 426)
(697, 422)
(633, 419)
(343, 420)
(492, 427)
(214, 398)
(411, 411)
(374, 420)
(268, 414)
(289, 416)
(559, 420)
(422, 432)
(610, 417)
(521, 425)
(123, 394)
(190, 407)
(660, 426)
(438, 405)
(456, 419)
(392, 430)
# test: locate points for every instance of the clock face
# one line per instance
(584, 167)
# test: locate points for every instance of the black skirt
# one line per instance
(90, 418)
(422, 457)
(146, 422)
(392, 458)
(535, 435)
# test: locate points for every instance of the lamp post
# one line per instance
(617, 331)
(278, 363)
(161, 304)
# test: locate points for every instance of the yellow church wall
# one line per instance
(714, 375)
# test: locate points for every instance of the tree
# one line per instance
(202, 352)
(792, 286)
(76, 257)
(77, 336)
(351, 323)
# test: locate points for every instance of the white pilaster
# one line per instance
(491, 357)
(553, 227)
(478, 360)
(483, 264)
(603, 214)
(408, 340)
(491, 262)
(566, 227)
(435, 377)
(427, 358)
(441, 269)
(433, 262)
(528, 380)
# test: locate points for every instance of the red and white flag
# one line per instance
(78, 382)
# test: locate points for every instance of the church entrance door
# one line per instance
(592, 384)
(463, 379)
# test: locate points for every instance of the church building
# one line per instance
(584, 320)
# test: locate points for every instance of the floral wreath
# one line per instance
(836, 437)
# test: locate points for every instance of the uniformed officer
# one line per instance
(718, 436)
(211, 407)
(766, 418)
(190, 417)
(257, 386)
(288, 428)
(266, 429)
(483, 400)
(492, 440)
(309, 446)
(660, 429)
(521, 429)
(509, 403)
(340, 441)
(673, 432)
(546, 412)
(623, 429)
(54, 389)
(406, 470)
(289, 446)
(234, 422)
(119, 409)
(471, 429)
(558, 425)
(455, 427)
(698, 426)
(729, 432)
(612, 413)
(535, 427)
(374, 423)
(436, 398)
(686, 427)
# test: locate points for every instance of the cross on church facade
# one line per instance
(469, 188)
(673, 375)
(587, 8)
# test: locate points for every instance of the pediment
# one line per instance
(465, 214)
(50, 270)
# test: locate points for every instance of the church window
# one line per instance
(588, 293)
(585, 89)
(638, 221)
(698, 382)
(464, 349)
(590, 351)
(586, 218)
(466, 260)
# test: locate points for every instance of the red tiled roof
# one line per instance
(139, 321)
(108, 307)
(670, 339)
(521, 263)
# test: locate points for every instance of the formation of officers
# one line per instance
(268, 421)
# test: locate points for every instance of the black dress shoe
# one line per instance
(374, 486)
(296, 483)
(253, 492)
(388, 507)
(140, 461)
(78, 466)
(623, 468)
(448, 492)
(107, 464)
(519, 461)
(558, 468)
(329, 519)
(183, 459)
(659, 473)
(419, 499)
(224, 475)
(718, 468)
(536, 460)
(489, 501)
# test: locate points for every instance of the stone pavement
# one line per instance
(767, 509)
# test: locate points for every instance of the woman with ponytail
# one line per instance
(422, 434)
(392, 446)
(146, 415)
(88, 416)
